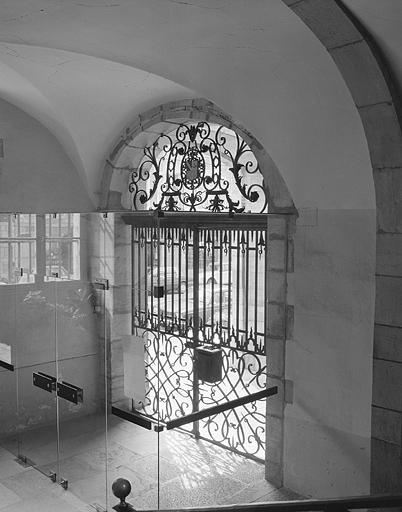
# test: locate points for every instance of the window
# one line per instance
(43, 245)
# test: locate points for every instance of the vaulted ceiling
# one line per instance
(86, 68)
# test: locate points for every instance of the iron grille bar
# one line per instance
(256, 271)
(196, 327)
(211, 411)
(247, 298)
(238, 262)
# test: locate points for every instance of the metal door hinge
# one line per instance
(44, 381)
(70, 392)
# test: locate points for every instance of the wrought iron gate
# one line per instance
(201, 284)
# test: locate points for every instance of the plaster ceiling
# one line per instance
(85, 68)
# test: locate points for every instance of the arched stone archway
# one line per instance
(146, 128)
(369, 80)
(126, 154)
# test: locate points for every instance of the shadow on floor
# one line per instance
(166, 470)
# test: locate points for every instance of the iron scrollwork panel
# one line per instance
(202, 167)
(169, 367)
(241, 429)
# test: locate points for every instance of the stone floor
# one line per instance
(166, 470)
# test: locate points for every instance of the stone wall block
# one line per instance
(148, 122)
(122, 298)
(290, 321)
(274, 438)
(277, 286)
(275, 350)
(387, 384)
(121, 325)
(273, 472)
(386, 425)
(359, 67)
(388, 310)
(388, 188)
(276, 226)
(388, 343)
(383, 134)
(327, 21)
(276, 320)
(275, 403)
(386, 468)
(276, 254)
(151, 113)
(117, 373)
(389, 254)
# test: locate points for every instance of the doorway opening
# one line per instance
(200, 282)
(213, 306)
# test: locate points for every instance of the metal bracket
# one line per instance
(102, 283)
(138, 419)
(70, 392)
(24, 461)
(63, 389)
(7, 366)
(44, 381)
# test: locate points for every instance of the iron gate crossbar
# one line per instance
(211, 411)
(205, 220)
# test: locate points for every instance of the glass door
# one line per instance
(38, 443)
(135, 439)
(8, 374)
(27, 348)
(81, 350)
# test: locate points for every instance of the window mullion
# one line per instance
(40, 248)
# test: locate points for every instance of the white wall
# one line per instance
(37, 176)
(329, 359)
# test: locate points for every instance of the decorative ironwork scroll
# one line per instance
(203, 167)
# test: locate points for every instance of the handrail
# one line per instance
(328, 505)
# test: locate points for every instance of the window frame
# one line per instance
(39, 266)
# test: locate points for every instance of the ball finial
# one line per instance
(121, 489)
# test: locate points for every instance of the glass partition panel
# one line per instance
(37, 373)
(80, 365)
(8, 373)
(81, 403)
(132, 324)
(134, 437)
